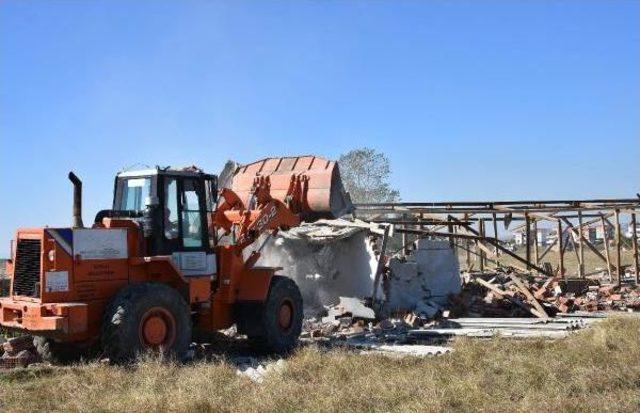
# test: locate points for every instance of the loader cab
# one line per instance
(173, 206)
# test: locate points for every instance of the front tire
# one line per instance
(146, 317)
(274, 326)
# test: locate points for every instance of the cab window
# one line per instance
(171, 222)
(135, 192)
(191, 218)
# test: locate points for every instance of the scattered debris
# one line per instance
(17, 352)
(403, 350)
(255, 369)
(511, 294)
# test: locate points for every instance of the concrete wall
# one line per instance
(424, 280)
(324, 271)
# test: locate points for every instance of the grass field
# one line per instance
(592, 261)
(596, 370)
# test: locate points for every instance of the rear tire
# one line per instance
(146, 317)
(274, 326)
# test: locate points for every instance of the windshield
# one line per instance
(134, 193)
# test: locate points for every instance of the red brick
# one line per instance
(606, 290)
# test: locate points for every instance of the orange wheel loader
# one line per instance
(175, 254)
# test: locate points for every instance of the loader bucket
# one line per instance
(325, 196)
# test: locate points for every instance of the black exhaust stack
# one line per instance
(77, 200)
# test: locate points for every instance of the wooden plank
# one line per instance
(380, 265)
(566, 221)
(560, 250)
(491, 287)
(634, 240)
(605, 239)
(487, 239)
(574, 248)
(618, 247)
(536, 255)
(481, 228)
(404, 244)
(586, 242)
(527, 239)
(471, 230)
(450, 229)
(580, 245)
(532, 300)
(509, 296)
(466, 217)
(495, 235)
(547, 249)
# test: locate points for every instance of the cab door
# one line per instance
(185, 231)
(184, 216)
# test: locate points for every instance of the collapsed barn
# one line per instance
(406, 270)
(405, 277)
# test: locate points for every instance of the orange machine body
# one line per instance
(62, 289)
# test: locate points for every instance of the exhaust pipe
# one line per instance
(77, 200)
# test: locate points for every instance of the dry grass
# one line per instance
(596, 370)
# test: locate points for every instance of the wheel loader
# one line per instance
(173, 256)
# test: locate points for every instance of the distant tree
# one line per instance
(365, 174)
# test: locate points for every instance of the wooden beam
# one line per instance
(527, 239)
(380, 265)
(491, 287)
(481, 230)
(404, 244)
(586, 242)
(450, 229)
(495, 235)
(509, 296)
(531, 299)
(605, 240)
(491, 241)
(581, 245)
(466, 217)
(618, 247)
(547, 249)
(560, 250)
(536, 255)
(469, 229)
(634, 240)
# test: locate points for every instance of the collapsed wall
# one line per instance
(422, 281)
(327, 259)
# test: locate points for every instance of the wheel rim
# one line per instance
(157, 328)
(285, 315)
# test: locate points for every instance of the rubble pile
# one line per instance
(587, 295)
(349, 325)
(17, 352)
(509, 294)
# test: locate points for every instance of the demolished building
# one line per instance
(333, 258)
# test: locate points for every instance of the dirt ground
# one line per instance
(595, 370)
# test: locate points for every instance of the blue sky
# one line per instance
(469, 99)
